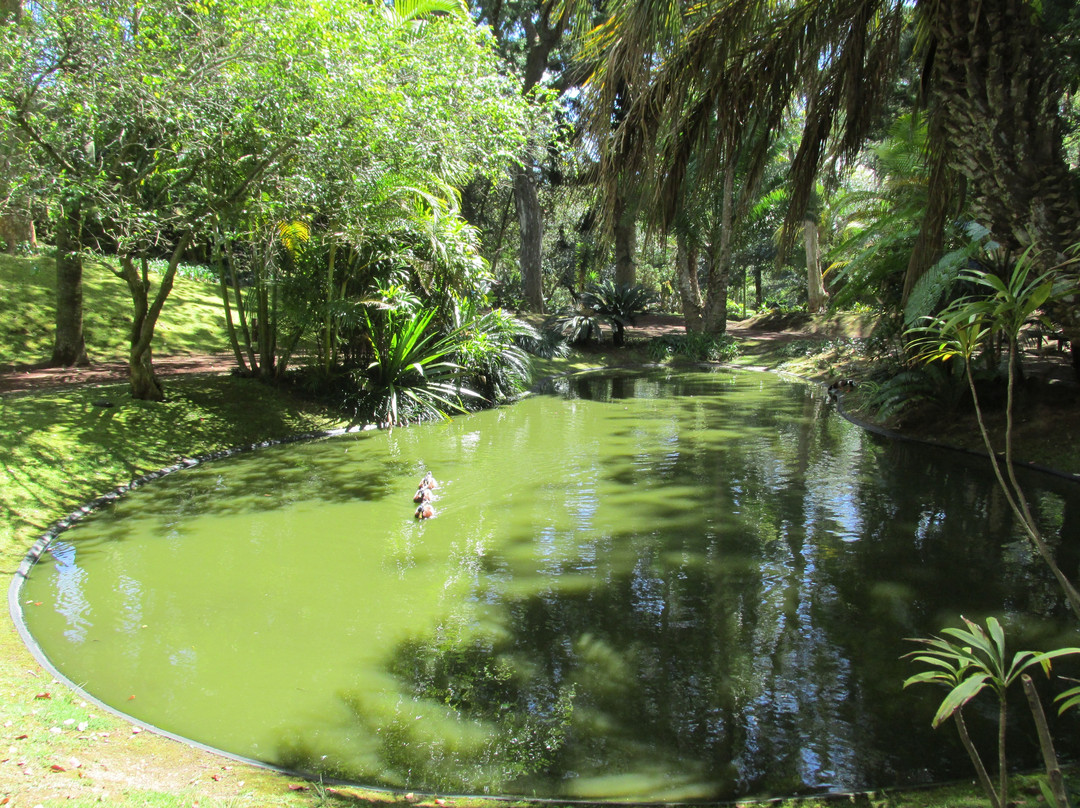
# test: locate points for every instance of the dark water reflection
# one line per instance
(653, 586)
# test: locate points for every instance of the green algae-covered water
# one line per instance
(645, 586)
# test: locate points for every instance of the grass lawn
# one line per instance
(58, 450)
(192, 321)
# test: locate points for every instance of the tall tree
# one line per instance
(993, 98)
(171, 122)
(534, 34)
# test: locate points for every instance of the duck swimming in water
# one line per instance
(423, 494)
(425, 511)
(428, 481)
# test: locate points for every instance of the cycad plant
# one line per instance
(617, 304)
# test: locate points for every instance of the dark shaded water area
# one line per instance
(639, 586)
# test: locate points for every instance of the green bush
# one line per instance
(695, 346)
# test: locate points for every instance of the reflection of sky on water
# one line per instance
(71, 597)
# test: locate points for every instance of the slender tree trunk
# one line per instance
(144, 382)
(531, 227)
(241, 314)
(230, 328)
(328, 320)
(625, 242)
(815, 286)
(976, 761)
(686, 280)
(69, 346)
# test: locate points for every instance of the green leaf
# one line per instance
(959, 696)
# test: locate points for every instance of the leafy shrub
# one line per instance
(576, 327)
(494, 363)
(546, 343)
(695, 346)
(411, 375)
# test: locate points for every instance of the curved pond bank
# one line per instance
(649, 586)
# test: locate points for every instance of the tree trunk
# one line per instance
(11, 11)
(69, 346)
(230, 328)
(625, 242)
(815, 286)
(716, 291)
(530, 224)
(144, 382)
(17, 228)
(998, 95)
(328, 319)
(543, 28)
(686, 279)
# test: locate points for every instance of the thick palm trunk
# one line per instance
(69, 346)
(531, 227)
(998, 97)
(716, 290)
(625, 242)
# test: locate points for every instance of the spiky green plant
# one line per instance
(489, 351)
(411, 372)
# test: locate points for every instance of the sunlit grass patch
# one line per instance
(192, 321)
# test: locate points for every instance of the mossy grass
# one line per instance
(60, 448)
(192, 321)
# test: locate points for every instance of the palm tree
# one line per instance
(696, 74)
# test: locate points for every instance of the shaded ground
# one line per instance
(22, 378)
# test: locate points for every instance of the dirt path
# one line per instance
(23, 378)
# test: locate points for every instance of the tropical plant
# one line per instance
(964, 329)
(411, 374)
(489, 351)
(681, 71)
(545, 343)
(900, 393)
(971, 661)
(617, 304)
(577, 327)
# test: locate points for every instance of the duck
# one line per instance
(429, 481)
(425, 511)
(840, 384)
(423, 494)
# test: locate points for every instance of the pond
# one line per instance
(638, 586)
